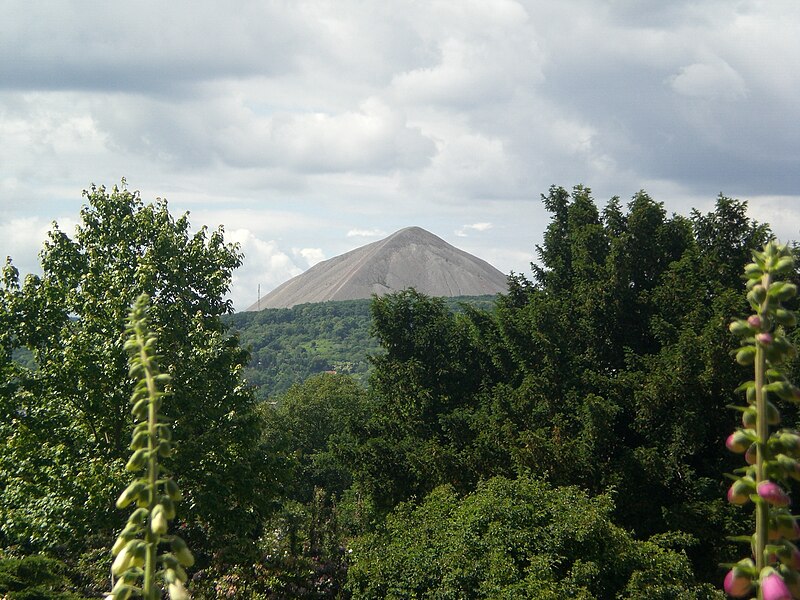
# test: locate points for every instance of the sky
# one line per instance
(309, 128)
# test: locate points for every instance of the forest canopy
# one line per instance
(566, 438)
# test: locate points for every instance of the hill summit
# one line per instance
(411, 257)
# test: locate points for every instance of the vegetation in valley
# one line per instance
(289, 345)
(567, 439)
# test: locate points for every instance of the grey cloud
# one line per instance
(146, 46)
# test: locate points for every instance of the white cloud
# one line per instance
(781, 212)
(294, 122)
(366, 233)
(310, 255)
(715, 80)
(464, 231)
(375, 137)
(267, 266)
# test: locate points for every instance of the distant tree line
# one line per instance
(289, 345)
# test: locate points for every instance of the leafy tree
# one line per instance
(35, 578)
(422, 395)
(62, 455)
(516, 539)
(609, 370)
(306, 426)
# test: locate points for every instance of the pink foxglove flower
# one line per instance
(737, 586)
(772, 493)
(774, 588)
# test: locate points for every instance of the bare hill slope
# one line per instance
(411, 257)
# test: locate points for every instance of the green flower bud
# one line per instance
(123, 559)
(784, 317)
(181, 552)
(740, 327)
(783, 291)
(783, 266)
(119, 545)
(177, 591)
(137, 517)
(746, 355)
(122, 592)
(168, 506)
(758, 294)
(172, 490)
(137, 460)
(139, 440)
(164, 448)
(158, 520)
(181, 573)
(130, 494)
(753, 271)
(773, 414)
(139, 410)
(749, 417)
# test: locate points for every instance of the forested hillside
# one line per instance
(288, 345)
(565, 440)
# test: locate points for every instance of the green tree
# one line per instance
(516, 539)
(62, 456)
(306, 426)
(422, 396)
(610, 370)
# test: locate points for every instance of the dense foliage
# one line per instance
(609, 371)
(565, 440)
(289, 345)
(516, 538)
(65, 424)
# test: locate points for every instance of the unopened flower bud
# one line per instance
(178, 592)
(751, 455)
(172, 490)
(772, 493)
(786, 526)
(773, 414)
(755, 321)
(158, 522)
(773, 587)
(181, 552)
(130, 494)
(786, 463)
(121, 562)
(739, 492)
(737, 585)
(738, 442)
(746, 355)
(765, 339)
(739, 327)
(757, 294)
(789, 555)
(749, 417)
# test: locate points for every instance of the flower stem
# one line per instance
(762, 431)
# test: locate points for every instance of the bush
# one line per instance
(516, 539)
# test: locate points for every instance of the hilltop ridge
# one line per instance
(410, 257)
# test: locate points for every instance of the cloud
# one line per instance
(267, 266)
(373, 138)
(61, 47)
(464, 231)
(310, 255)
(366, 233)
(296, 121)
(715, 80)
